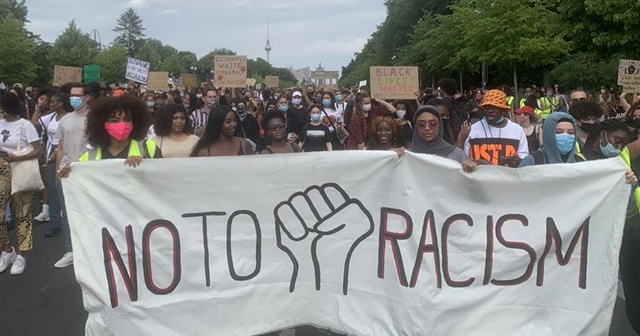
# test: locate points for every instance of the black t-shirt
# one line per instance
(315, 137)
(302, 114)
(125, 153)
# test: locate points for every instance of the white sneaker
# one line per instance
(7, 259)
(42, 217)
(19, 265)
(65, 261)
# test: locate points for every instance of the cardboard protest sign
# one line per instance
(272, 81)
(158, 80)
(91, 73)
(394, 82)
(627, 67)
(362, 83)
(251, 81)
(189, 80)
(440, 252)
(65, 74)
(631, 83)
(137, 70)
(230, 71)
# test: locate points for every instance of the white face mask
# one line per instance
(199, 95)
(401, 113)
(296, 101)
(366, 107)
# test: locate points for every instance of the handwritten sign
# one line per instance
(137, 70)
(189, 80)
(251, 81)
(230, 71)
(158, 80)
(64, 74)
(272, 81)
(91, 73)
(394, 82)
(631, 83)
(627, 67)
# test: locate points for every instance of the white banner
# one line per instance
(137, 70)
(356, 242)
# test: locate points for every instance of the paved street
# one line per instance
(48, 301)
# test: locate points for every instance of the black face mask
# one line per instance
(587, 128)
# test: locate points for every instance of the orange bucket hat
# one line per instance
(495, 98)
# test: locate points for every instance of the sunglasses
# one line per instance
(431, 124)
(276, 127)
(578, 99)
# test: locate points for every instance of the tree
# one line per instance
(149, 54)
(17, 9)
(16, 53)
(587, 70)
(172, 65)
(187, 60)
(73, 48)
(131, 31)
(42, 58)
(113, 63)
(205, 64)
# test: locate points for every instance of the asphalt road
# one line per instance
(45, 301)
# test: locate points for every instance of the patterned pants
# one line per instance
(21, 205)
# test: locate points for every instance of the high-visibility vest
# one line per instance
(510, 100)
(522, 102)
(544, 113)
(136, 148)
(578, 152)
(627, 161)
(555, 101)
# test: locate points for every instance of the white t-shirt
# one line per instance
(71, 131)
(50, 123)
(486, 142)
(336, 118)
(16, 134)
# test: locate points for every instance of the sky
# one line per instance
(302, 32)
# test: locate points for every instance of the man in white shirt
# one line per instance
(72, 143)
(495, 139)
(200, 117)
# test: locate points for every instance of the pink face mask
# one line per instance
(120, 130)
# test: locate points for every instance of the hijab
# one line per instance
(437, 146)
(550, 148)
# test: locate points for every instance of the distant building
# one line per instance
(325, 79)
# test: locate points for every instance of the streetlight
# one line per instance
(193, 69)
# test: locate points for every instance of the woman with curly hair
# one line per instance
(116, 128)
(174, 132)
(275, 124)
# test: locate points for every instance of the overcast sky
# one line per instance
(303, 32)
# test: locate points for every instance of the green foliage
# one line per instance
(587, 71)
(42, 58)
(113, 63)
(149, 54)
(130, 30)
(172, 65)
(205, 64)
(16, 52)
(16, 9)
(73, 48)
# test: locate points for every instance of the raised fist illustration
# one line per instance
(315, 226)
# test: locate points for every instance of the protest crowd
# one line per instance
(80, 122)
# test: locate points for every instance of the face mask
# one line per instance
(181, 94)
(234, 109)
(76, 102)
(339, 97)
(199, 95)
(608, 150)
(296, 101)
(283, 108)
(527, 94)
(241, 110)
(186, 106)
(401, 113)
(150, 104)
(366, 107)
(326, 102)
(603, 91)
(587, 128)
(316, 117)
(120, 130)
(565, 142)
(496, 122)
(276, 97)
(211, 103)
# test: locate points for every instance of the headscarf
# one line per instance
(437, 146)
(550, 148)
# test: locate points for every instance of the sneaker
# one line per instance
(65, 261)
(42, 217)
(19, 265)
(6, 259)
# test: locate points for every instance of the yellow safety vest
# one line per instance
(555, 101)
(510, 101)
(627, 161)
(136, 148)
(578, 153)
(522, 101)
(544, 113)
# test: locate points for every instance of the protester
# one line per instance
(316, 136)
(42, 108)
(174, 133)
(18, 134)
(382, 134)
(219, 137)
(200, 116)
(364, 113)
(150, 103)
(247, 124)
(72, 143)
(403, 117)
(527, 119)
(275, 123)
(559, 142)
(496, 140)
(586, 114)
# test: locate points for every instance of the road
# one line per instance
(48, 301)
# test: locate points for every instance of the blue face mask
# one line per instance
(608, 150)
(316, 117)
(496, 122)
(283, 108)
(326, 102)
(339, 97)
(76, 102)
(565, 142)
(150, 104)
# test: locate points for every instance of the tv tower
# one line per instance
(267, 48)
